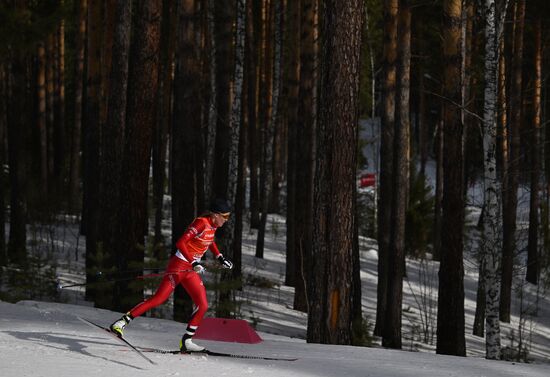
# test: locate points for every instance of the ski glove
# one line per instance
(226, 263)
(198, 268)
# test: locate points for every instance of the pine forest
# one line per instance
(419, 126)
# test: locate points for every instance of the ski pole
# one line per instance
(146, 276)
(114, 280)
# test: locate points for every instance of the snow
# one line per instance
(47, 339)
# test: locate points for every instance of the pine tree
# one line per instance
(396, 253)
(112, 139)
(235, 126)
(450, 313)
(270, 131)
(330, 301)
(3, 181)
(76, 131)
(140, 121)
(292, 82)
(90, 154)
(386, 159)
(305, 155)
(513, 169)
(533, 263)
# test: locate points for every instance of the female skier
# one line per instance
(185, 268)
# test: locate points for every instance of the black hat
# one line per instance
(219, 206)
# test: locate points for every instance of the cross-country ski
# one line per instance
(214, 353)
(114, 335)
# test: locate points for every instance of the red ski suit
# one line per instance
(191, 246)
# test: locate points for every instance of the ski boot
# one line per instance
(118, 326)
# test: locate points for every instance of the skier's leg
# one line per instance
(164, 290)
(195, 288)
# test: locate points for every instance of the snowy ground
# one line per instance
(46, 339)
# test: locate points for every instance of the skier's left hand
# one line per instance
(226, 263)
(198, 268)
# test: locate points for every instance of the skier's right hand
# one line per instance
(198, 268)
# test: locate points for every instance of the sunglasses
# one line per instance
(224, 215)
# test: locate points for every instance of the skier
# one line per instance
(185, 268)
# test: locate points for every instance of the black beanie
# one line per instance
(219, 206)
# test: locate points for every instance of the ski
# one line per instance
(213, 353)
(122, 340)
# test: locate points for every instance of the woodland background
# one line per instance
(108, 107)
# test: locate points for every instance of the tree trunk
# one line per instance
(264, 15)
(479, 318)
(292, 81)
(57, 142)
(75, 163)
(396, 256)
(18, 128)
(61, 149)
(91, 135)
(3, 181)
(532, 274)
(491, 247)
(236, 130)
(502, 157)
(236, 272)
(140, 121)
(330, 314)
(107, 35)
(240, 198)
(235, 124)
(513, 170)
(386, 159)
(279, 144)
(164, 118)
(263, 136)
(230, 242)
(266, 65)
(212, 102)
(438, 189)
(450, 324)
(470, 128)
(270, 131)
(50, 111)
(224, 19)
(423, 131)
(357, 298)
(42, 119)
(112, 145)
(305, 152)
(186, 135)
(253, 27)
